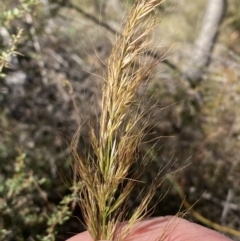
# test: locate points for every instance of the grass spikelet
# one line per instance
(115, 144)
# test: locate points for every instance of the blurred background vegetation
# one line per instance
(54, 55)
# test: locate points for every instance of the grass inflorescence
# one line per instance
(104, 177)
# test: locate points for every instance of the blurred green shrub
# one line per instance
(26, 212)
(17, 206)
(20, 213)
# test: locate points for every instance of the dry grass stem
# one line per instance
(106, 184)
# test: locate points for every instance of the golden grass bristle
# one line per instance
(116, 143)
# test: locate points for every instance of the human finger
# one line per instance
(165, 229)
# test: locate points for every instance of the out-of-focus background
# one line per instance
(57, 77)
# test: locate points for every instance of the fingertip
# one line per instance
(85, 236)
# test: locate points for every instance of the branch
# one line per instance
(198, 216)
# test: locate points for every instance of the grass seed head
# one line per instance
(103, 198)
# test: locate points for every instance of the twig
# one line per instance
(198, 216)
(37, 48)
(227, 205)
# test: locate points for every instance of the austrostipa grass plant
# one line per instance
(104, 177)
